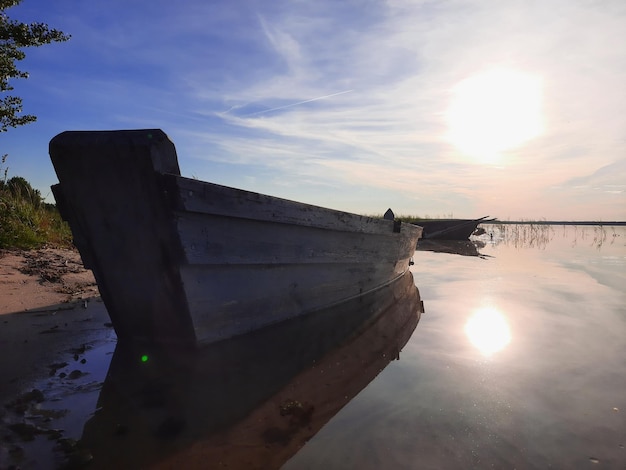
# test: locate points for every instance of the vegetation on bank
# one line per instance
(26, 220)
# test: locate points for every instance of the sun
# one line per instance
(494, 111)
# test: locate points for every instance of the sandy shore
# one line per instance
(40, 278)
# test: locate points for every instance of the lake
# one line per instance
(516, 362)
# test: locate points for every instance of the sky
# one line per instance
(463, 108)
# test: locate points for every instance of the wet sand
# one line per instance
(51, 316)
(44, 300)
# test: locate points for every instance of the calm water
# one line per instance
(517, 362)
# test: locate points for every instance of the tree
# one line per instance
(19, 187)
(14, 36)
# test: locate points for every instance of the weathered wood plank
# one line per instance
(225, 240)
(242, 298)
(209, 198)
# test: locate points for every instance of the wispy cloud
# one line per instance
(405, 65)
(353, 96)
(279, 108)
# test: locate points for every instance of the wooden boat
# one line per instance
(244, 402)
(181, 260)
(450, 229)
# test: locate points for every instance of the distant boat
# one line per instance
(450, 229)
(182, 260)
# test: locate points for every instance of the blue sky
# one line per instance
(512, 109)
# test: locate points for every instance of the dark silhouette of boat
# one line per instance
(181, 260)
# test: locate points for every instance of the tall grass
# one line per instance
(26, 221)
(413, 219)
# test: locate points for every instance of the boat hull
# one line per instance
(181, 260)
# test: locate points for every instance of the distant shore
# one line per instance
(556, 222)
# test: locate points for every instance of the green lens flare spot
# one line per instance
(144, 358)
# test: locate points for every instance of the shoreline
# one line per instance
(47, 301)
(616, 223)
(53, 326)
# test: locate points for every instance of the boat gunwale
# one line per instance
(347, 221)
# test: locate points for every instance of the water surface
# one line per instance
(518, 362)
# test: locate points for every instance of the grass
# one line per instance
(412, 219)
(26, 221)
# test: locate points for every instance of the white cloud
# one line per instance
(403, 67)
(354, 94)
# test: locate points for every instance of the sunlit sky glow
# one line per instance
(493, 112)
(512, 109)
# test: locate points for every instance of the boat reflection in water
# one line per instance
(249, 402)
(454, 247)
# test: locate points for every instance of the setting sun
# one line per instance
(493, 112)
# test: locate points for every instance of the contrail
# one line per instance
(298, 103)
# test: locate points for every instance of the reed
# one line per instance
(538, 235)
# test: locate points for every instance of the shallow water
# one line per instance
(517, 362)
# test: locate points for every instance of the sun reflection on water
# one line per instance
(488, 330)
